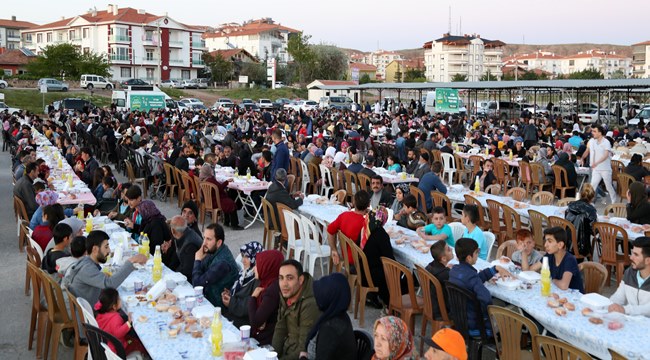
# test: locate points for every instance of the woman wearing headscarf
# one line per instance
(401, 190)
(228, 205)
(154, 224)
(572, 176)
(542, 159)
(375, 243)
(332, 294)
(43, 199)
(235, 300)
(393, 340)
(264, 302)
(638, 208)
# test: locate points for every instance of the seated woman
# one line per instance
(375, 243)
(636, 169)
(393, 340)
(401, 190)
(154, 224)
(263, 304)
(235, 300)
(582, 215)
(52, 214)
(638, 208)
(572, 177)
(228, 206)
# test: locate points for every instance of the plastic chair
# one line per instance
(76, 314)
(506, 249)
(561, 177)
(616, 210)
(441, 200)
(482, 219)
(304, 171)
(609, 233)
(494, 210)
(419, 196)
(571, 231)
(344, 245)
(430, 283)
(365, 344)
(512, 219)
(449, 166)
(494, 189)
(502, 172)
(339, 195)
(510, 325)
(525, 178)
(291, 180)
(460, 300)
(314, 177)
(624, 182)
(20, 213)
(363, 271)
(538, 178)
(270, 223)
(170, 185)
(210, 191)
(87, 311)
(295, 232)
(327, 185)
(594, 274)
(406, 305)
(282, 227)
(565, 202)
(178, 180)
(476, 161)
(313, 243)
(39, 311)
(461, 171)
(351, 184)
(554, 349)
(542, 198)
(364, 182)
(616, 356)
(457, 229)
(96, 337)
(489, 242)
(517, 193)
(130, 174)
(336, 178)
(57, 315)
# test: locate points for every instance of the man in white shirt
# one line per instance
(599, 151)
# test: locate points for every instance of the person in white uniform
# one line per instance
(599, 151)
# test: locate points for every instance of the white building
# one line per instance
(263, 38)
(10, 32)
(380, 59)
(641, 59)
(468, 55)
(138, 44)
(605, 62)
(540, 60)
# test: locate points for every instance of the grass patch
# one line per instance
(174, 93)
(32, 100)
(258, 93)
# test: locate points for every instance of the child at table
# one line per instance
(526, 256)
(563, 265)
(438, 230)
(111, 320)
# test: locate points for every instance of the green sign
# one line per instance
(447, 101)
(147, 102)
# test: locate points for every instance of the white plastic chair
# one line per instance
(449, 166)
(36, 247)
(391, 215)
(87, 310)
(457, 229)
(305, 176)
(294, 241)
(314, 248)
(110, 355)
(489, 241)
(473, 151)
(327, 185)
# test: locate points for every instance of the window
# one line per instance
(120, 53)
(86, 50)
(149, 55)
(71, 35)
(125, 72)
(48, 37)
(11, 46)
(148, 35)
(39, 38)
(185, 74)
(572, 62)
(59, 36)
(84, 33)
(150, 73)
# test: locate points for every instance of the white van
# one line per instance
(95, 81)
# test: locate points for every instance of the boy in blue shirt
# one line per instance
(470, 219)
(563, 265)
(438, 230)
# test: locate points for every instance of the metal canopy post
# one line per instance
(598, 97)
(535, 102)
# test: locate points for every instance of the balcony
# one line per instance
(119, 58)
(176, 61)
(198, 62)
(150, 61)
(120, 38)
(198, 44)
(175, 44)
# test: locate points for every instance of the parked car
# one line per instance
(340, 102)
(187, 84)
(133, 82)
(248, 105)
(279, 85)
(199, 107)
(304, 105)
(4, 107)
(89, 82)
(3, 84)
(53, 84)
(597, 116)
(190, 102)
(170, 83)
(278, 104)
(265, 104)
(223, 104)
(201, 83)
(643, 114)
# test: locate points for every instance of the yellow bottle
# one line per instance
(144, 240)
(157, 265)
(510, 154)
(60, 163)
(546, 278)
(487, 151)
(89, 223)
(70, 180)
(477, 185)
(217, 335)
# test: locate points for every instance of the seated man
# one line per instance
(62, 236)
(633, 294)
(470, 218)
(432, 181)
(465, 275)
(410, 217)
(86, 170)
(423, 165)
(563, 265)
(446, 344)
(190, 212)
(367, 169)
(214, 266)
(186, 242)
(379, 196)
(526, 256)
(277, 193)
(85, 278)
(438, 230)
(442, 255)
(298, 310)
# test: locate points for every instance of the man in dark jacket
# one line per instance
(186, 243)
(379, 195)
(24, 188)
(441, 254)
(182, 162)
(277, 193)
(87, 170)
(530, 134)
(281, 157)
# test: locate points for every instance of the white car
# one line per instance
(309, 105)
(641, 114)
(265, 104)
(223, 104)
(170, 83)
(592, 117)
(188, 103)
(3, 84)
(4, 107)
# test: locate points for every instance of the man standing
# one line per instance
(298, 310)
(277, 193)
(87, 170)
(281, 157)
(85, 278)
(380, 196)
(530, 134)
(24, 188)
(599, 151)
(633, 294)
(186, 243)
(214, 267)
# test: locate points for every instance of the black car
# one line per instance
(133, 82)
(75, 104)
(248, 105)
(279, 103)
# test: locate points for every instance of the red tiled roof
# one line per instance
(595, 54)
(336, 82)
(15, 24)
(427, 45)
(14, 57)
(642, 43)
(227, 54)
(362, 66)
(533, 56)
(251, 28)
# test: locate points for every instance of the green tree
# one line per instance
(65, 58)
(414, 75)
(487, 76)
(220, 68)
(587, 74)
(618, 74)
(92, 63)
(329, 63)
(364, 78)
(302, 54)
(256, 72)
(459, 77)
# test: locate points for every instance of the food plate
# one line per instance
(596, 302)
(509, 284)
(184, 291)
(530, 276)
(203, 311)
(176, 277)
(313, 197)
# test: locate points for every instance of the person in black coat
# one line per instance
(572, 176)
(181, 162)
(441, 254)
(638, 208)
(375, 243)
(186, 242)
(635, 168)
(277, 193)
(154, 225)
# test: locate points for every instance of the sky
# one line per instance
(393, 25)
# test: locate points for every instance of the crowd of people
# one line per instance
(301, 317)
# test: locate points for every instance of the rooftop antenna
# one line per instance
(460, 26)
(523, 39)
(449, 25)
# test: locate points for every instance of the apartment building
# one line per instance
(468, 55)
(545, 61)
(263, 38)
(138, 44)
(10, 33)
(641, 59)
(607, 63)
(380, 59)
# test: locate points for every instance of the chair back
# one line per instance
(394, 272)
(339, 195)
(565, 201)
(270, 222)
(436, 155)
(294, 227)
(364, 182)
(96, 337)
(617, 168)
(502, 172)
(624, 182)
(512, 219)
(517, 193)
(542, 198)
(304, 170)
(328, 182)
(506, 249)
(365, 344)
(440, 199)
(457, 229)
(561, 176)
(351, 184)
(56, 310)
(525, 173)
(448, 165)
(291, 180)
(510, 325)
(311, 237)
(34, 245)
(594, 276)
(87, 311)
(336, 178)
(430, 285)
(494, 189)
(616, 356)
(494, 212)
(490, 238)
(210, 191)
(555, 349)
(460, 300)
(609, 235)
(476, 161)
(469, 199)
(616, 210)
(20, 209)
(363, 269)
(76, 314)
(419, 196)
(344, 245)
(281, 208)
(571, 233)
(537, 174)
(314, 176)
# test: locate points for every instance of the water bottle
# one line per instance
(217, 335)
(248, 174)
(546, 277)
(477, 185)
(156, 272)
(510, 154)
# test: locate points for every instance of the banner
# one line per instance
(447, 101)
(147, 102)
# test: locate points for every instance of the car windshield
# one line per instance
(645, 114)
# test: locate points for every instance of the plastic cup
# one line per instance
(198, 294)
(137, 286)
(272, 355)
(190, 302)
(245, 333)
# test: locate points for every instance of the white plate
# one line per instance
(176, 277)
(530, 276)
(184, 291)
(509, 284)
(313, 197)
(203, 311)
(595, 301)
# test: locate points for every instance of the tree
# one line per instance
(61, 59)
(587, 74)
(414, 75)
(459, 77)
(220, 68)
(487, 76)
(299, 49)
(364, 78)
(329, 63)
(618, 74)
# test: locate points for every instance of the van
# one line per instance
(504, 109)
(340, 102)
(95, 81)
